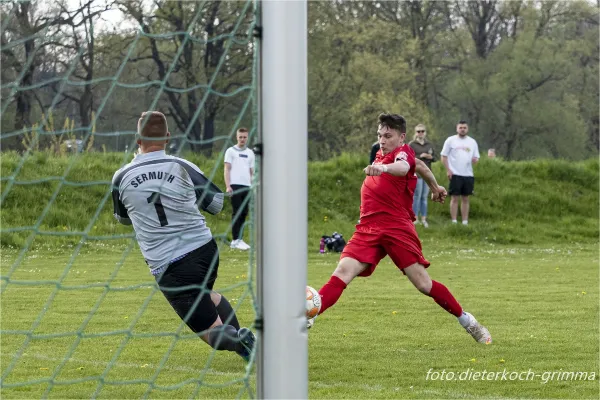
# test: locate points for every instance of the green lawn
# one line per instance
(380, 341)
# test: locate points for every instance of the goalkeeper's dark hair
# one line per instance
(393, 121)
(152, 124)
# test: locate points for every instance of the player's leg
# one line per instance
(185, 284)
(404, 248)
(224, 309)
(419, 277)
(347, 269)
(196, 309)
(227, 336)
(361, 255)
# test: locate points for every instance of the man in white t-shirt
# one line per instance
(459, 154)
(239, 168)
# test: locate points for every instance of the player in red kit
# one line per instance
(386, 226)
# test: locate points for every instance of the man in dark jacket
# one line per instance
(374, 150)
(424, 152)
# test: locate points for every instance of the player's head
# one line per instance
(391, 131)
(420, 132)
(242, 137)
(153, 132)
(462, 128)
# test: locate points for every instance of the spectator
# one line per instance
(491, 153)
(424, 152)
(239, 168)
(459, 154)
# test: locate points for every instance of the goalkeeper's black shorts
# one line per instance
(187, 284)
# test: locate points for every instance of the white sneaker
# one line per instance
(478, 331)
(425, 224)
(239, 244)
(243, 245)
(416, 222)
(465, 222)
(310, 322)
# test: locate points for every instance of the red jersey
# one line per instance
(388, 197)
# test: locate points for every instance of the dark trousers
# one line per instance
(187, 284)
(239, 204)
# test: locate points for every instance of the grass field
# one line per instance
(380, 341)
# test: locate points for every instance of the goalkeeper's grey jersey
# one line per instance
(160, 195)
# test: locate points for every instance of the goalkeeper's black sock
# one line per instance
(224, 337)
(226, 311)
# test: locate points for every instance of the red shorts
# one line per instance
(371, 242)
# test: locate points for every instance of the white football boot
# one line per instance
(478, 331)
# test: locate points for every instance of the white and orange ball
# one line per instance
(313, 302)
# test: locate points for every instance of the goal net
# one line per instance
(81, 316)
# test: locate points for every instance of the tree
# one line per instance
(208, 42)
(32, 28)
(79, 45)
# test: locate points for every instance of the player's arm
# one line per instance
(438, 193)
(398, 168)
(120, 211)
(208, 195)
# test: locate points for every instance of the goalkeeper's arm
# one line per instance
(208, 196)
(120, 210)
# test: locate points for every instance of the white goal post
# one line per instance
(282, 358)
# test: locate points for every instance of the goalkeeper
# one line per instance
(160, 195)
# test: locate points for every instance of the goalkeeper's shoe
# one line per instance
(247, 341)
(478, 331)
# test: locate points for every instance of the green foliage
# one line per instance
(515, 202)
(526, 78)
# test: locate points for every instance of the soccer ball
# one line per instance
(313, 302)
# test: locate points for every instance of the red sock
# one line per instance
(444, 298)
(331, 292)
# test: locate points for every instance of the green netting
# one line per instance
(81, 315)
